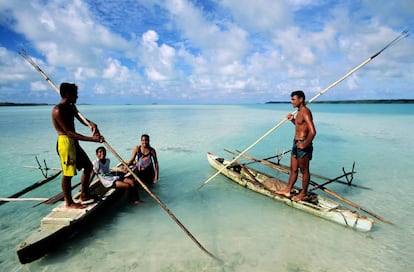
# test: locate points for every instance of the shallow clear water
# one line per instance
(247, 231)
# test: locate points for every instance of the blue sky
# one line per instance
(192, 52)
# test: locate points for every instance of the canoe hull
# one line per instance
(317, 205)
(62, 223)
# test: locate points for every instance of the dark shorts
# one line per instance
(302, 153)
(82, 159)
(147, 175)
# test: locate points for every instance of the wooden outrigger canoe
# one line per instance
(315, 204)
(62, 223)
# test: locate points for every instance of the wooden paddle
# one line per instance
(30, 60)
(153, 196)
(33, 186)
(321, 187)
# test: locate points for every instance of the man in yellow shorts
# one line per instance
(72, 156)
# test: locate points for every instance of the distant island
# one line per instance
(368, 101)
(21, 104)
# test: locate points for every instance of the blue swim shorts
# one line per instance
(302, 153)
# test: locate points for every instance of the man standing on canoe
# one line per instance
(302, 146)
(72, 156)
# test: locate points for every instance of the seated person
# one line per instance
(144, 158)
(101, 169)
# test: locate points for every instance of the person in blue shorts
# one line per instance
(302, 146)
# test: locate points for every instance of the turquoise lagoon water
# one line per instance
(247, 231)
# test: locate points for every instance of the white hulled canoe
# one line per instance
(315, 204)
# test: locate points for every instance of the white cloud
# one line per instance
(115, 71)
(158, 61)
(263, 16)
(197, 50)
(83, 73)
(65, 33)
(219, 42)
(153, 74)
(39, 86)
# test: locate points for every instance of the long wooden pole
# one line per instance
(317, 186)
(401, 36)
(30, 60)
(160, 202)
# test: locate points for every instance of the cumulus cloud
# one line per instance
(39, 86)
(197, 50)
(158, 60)
(264, 16)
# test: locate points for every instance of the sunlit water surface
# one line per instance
(247, 231)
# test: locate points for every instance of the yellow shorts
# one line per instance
(66, 149)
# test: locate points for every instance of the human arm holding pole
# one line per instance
(291, 118)
(63, 127)
(87, 122)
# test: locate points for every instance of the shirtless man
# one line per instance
(302, 146)
(72, 156)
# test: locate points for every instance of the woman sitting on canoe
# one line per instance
(101, 169)
(146, 162)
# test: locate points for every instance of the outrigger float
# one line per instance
(267, 185)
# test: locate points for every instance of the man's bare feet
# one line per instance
(87, 199)
(299, 197)
(285, 193)
(75, 206)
